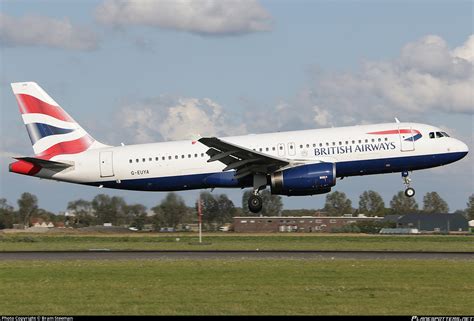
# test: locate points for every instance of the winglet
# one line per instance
(396, 120)
(195, 138)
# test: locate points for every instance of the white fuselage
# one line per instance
(183, 164)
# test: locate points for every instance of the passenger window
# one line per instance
(202, 154)
(189, 155)
(195, 155)
(340, 143)
(301, 146)
(143, 159)
(273, 148)
(137, 160)
(130, 161)
(175, 156)
(182, 156)
(163, 158)
(307, 145)
(157, 158)
(169, 157)
(150, 159)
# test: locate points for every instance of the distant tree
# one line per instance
(7, 218)
(45, 215)
(272, 204)
(136, 213)
(470, 207)
(83, 211)
(400, 204)
(337, 204)
(27, 207)
(433, 203)
(209, 208)
(109, 209)
(226, 209)
(371, 204)
(216, 209)
(170, 212)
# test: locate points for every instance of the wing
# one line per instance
(245, 161)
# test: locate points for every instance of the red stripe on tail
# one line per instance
(29, 104)
(70, 147)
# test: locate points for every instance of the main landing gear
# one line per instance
(255, 200)
(409, 192)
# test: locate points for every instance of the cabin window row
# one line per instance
(163, 158)
(340, 143)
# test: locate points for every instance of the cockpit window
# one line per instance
(439, 135)
(432, 135)
(444, 134)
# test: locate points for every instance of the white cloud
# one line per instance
(165, 118)
(35, 30)
(427, 77)
(206, 17)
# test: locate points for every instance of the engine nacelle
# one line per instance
(304, 180)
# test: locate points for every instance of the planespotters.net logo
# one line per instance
(415, 318)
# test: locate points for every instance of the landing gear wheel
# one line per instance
(409, 192)
(255, 203)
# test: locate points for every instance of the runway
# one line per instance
(104, 254)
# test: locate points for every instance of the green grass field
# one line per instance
(221, 287)
(231, 241)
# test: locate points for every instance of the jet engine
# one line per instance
(308, 179)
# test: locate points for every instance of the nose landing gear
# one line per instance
(409, 192)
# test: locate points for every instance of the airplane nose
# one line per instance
(461, 148)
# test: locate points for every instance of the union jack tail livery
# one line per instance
(52, 131)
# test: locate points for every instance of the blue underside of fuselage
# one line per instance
(227, 180)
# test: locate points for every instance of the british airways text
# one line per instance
(362, 148)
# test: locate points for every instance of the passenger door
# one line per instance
(407, 139)
(106, 164)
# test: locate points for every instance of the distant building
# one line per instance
(438, 223)
(307, 224)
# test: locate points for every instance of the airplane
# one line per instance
(293, 163)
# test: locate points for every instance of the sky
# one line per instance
(149, 71)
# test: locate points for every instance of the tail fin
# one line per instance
(52, 131)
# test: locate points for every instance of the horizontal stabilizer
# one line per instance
(44, 163)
